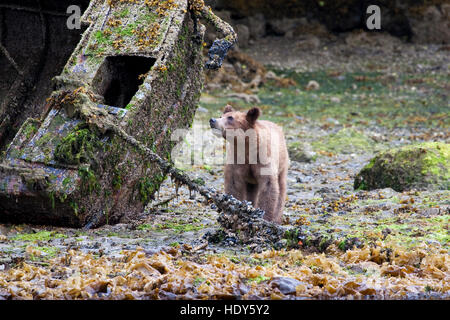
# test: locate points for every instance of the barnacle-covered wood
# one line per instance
(220, 47)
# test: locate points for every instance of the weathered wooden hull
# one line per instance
(143, 67)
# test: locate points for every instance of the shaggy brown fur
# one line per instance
(259, 174)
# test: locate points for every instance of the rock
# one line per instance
(257, 26)
(333, 121)
(165, 295)
(374, 40)
(285, 285)
(279, 27)
(301, 152)
(341, 16)
(432, 13)
(335, 100)
(202, 110)
(312, 85)
(281, 81)
(445, 8)
(243, 35)
(309, 42)
(324, 190)
(293, 32)
(4, 230)
(431, 26)
(249, 98)
(396, 23)
(270, 75)
(239, 72)
(421, 166)
(309, 28)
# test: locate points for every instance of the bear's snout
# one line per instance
(212, 123)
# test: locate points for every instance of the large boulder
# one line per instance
(431, 25)
(301, 152)
(420, 166)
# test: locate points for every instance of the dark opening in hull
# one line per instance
(119, 78)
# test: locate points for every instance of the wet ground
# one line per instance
(357, 244)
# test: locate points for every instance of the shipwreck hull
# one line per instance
(139, 64)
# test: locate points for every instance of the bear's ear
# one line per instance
(252, 115)
(228, 108)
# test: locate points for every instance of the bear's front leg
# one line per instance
(234, 182)
(268, 194)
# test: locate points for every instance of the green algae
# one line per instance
(77, 147)
(347, 140)
(147, 187)
(89, 181)
(177, 226)
(258, 279)
(30, 128)
(364, 97)
(39, 236)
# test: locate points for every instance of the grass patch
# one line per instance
(178, 227)
(346, 140)
(50, 252)
(39, 236)
(364, 98)
(258, 279)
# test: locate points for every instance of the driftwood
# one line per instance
(235, 215)
(220, 47)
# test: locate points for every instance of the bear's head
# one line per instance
(233, 120)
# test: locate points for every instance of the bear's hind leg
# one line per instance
(282, 196)
(268, 197)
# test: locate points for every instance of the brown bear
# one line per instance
(257, 160)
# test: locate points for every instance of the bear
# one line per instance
(257, 160)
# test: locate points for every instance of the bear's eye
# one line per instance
(230, 118)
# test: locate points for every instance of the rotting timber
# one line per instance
(139, 65)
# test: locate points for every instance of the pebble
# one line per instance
(285, 285)
(202, 110)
